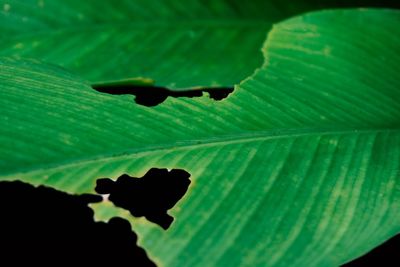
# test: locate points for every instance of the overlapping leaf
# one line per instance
(176, 43)
(300, 166)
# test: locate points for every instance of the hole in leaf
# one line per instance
(41, 226)
(150, 196)
(154, 95)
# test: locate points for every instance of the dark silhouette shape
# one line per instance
(45, 227)
(150, 196)
(153, 95)
(386, 255)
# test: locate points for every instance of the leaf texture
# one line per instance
(299, 167)
(177, 44)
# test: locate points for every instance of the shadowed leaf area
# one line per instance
(154, 95)
(44, 227)
(150, 196)
(177, 43)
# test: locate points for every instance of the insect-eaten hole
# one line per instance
(151, 96)
(41, 226)
(150, 196)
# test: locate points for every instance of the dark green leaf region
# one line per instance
(150, 196)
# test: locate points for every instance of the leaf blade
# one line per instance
(273, 160)
(179, 46)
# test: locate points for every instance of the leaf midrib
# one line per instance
(210, 141)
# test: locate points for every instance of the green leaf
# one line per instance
(300, 166)
(178, 44)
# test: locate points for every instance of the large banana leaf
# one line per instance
(176, 43)
(300, 166)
